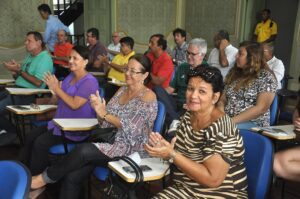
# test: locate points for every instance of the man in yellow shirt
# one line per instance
(118, 64)
(265, 31)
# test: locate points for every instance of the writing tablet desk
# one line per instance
(26, 91)
(278, 134)
(20, 111)
(282, 132)
(97, 74)
(74, 124)
(117, 83)
(158, 166)
(4, 82)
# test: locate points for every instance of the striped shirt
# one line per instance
(221, 137)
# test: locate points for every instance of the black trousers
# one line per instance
(75, 168)
(35, 153)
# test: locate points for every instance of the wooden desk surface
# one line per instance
(76, 124)
(158, 166)
(6, 81)
(100, 74)
(282, 132)
(27, 91)
(30, 111)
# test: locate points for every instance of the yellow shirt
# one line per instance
(264, 31)
(119, 59)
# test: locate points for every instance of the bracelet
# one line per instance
(104, 117)
(172, 156)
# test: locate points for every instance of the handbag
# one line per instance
(116, 187)
(103, 135)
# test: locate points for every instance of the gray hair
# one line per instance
(201, 45)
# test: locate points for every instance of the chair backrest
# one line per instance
(101, 92)
(15, 180)
(259, 163)
(274, 110)
(160, 118)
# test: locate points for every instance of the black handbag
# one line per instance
(116, 187)
(103, 135)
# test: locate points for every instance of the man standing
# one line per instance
(195, 54)
(62, 51)
(179, 52)
(162, 66)
(52, 26)
(275, 64)
(96, 49)
(114, 46)
(266, 30)
(223, 55)
(31, 73)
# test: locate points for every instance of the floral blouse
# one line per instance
(246, 97)
(137, 119)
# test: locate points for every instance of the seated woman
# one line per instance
(287, 162)
(208, 151)
(250, 88)
(132, 110)
(72, 99)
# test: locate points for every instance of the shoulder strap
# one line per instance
(139, 177)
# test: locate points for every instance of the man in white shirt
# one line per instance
(275, 64)
(114, 46)
(223, 55)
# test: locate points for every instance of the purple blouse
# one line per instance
(83, 88)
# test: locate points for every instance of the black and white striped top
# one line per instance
(221, 137)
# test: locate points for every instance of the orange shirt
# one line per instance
(62, 50)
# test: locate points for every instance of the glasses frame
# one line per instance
(125, 70)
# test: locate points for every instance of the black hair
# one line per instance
(223, 34)
(94, 31)
(161, 40)
(209, 74)
(83, 51)
(38, 37)
(180, 31)
(146, 65)
(128, 41)
(45, 8)
(267, 11)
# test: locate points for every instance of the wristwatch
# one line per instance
(172, 157)
(19, 73)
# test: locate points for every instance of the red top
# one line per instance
(162, 67)
(62, 50)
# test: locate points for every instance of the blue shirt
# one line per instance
(52, 26)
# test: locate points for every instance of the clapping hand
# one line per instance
(159, 147)
(52, 82)
(12, 65)
(98, 104)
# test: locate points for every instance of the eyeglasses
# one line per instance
(131, 72)
(201, 71)
(190, 53)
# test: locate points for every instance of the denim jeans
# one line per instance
(6, 100)
(169, 102)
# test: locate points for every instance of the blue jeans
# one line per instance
(169, 102)
(246, 125)
(6, 100)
